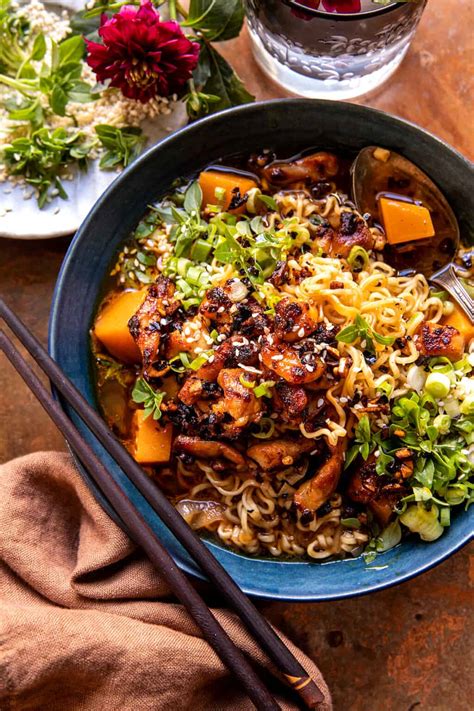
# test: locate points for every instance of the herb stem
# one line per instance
(181, 10)
(172, 9)
(16, 84)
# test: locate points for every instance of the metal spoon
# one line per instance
(378, 170)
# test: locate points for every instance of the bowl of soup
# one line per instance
(301, 396)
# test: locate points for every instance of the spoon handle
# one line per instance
(449, 280)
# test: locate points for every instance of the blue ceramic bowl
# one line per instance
(292, 124)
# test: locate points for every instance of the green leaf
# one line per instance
(39, 48)
(122, 145)
(193, 197)
(81, 93)
(58, 101)
(144, 394)
(348, 334)
(71, 50)
(269, 201)
(217, 20)
(85, 26)
(54, 55)
(350, 522)
(223, 82)
(383, 340)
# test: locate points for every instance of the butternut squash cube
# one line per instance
(209, 180)
(459, 320)
(405, 221)
(111, 326)
(152, 441)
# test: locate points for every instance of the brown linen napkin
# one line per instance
(83, 624)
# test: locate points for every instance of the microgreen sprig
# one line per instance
(144, 394)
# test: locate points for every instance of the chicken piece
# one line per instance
(292, 320)
(238, 401)
(435, 340)
(316, 491)
(378, 493)
(290, 400)
(249, 320)
(207, 449)
(364, 484)
(279, 452)
(229, 354)
(352, 231)
(286, 363)
(309, 169)
(191, 391)
(145, 327)
(279, 275)
(216, 306)
(188, 338)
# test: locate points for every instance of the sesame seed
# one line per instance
(320, 402)
(301, 332)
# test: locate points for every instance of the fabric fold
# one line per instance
(87, 623)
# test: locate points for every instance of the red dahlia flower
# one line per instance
(141, 55)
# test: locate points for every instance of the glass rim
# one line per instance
(341, 17)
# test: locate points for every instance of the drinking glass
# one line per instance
(334, 49)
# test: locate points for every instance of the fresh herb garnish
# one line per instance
(41, 158)
(144, 394)
(361, 330)
(122, 145)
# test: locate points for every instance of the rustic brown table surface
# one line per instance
(400, 649)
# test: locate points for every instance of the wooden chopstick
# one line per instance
(144, 536)
(291, 669)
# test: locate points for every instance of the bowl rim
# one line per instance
(54, 338)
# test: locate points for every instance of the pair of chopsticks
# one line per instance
(288, 666)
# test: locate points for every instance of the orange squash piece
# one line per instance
(209, 180)
(111, 326)
(460, 321)
(152, 441)
(405, 221)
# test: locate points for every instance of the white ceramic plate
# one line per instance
(22, 219)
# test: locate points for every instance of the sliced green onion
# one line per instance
(184, 287)
(194, 275)
(182, 266)
(443, 295)
(463, 365)
(358, 258)
(467, 405)
(385, 388)
(200, 360)
(246, 383)
(267, 428)
(350, 522)
(438, 384)
(455, 495)
(419, 520)
(200, 250)
(442, 424)
(214, 335)
(176, 364)
(264, 389)
(445, 517)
